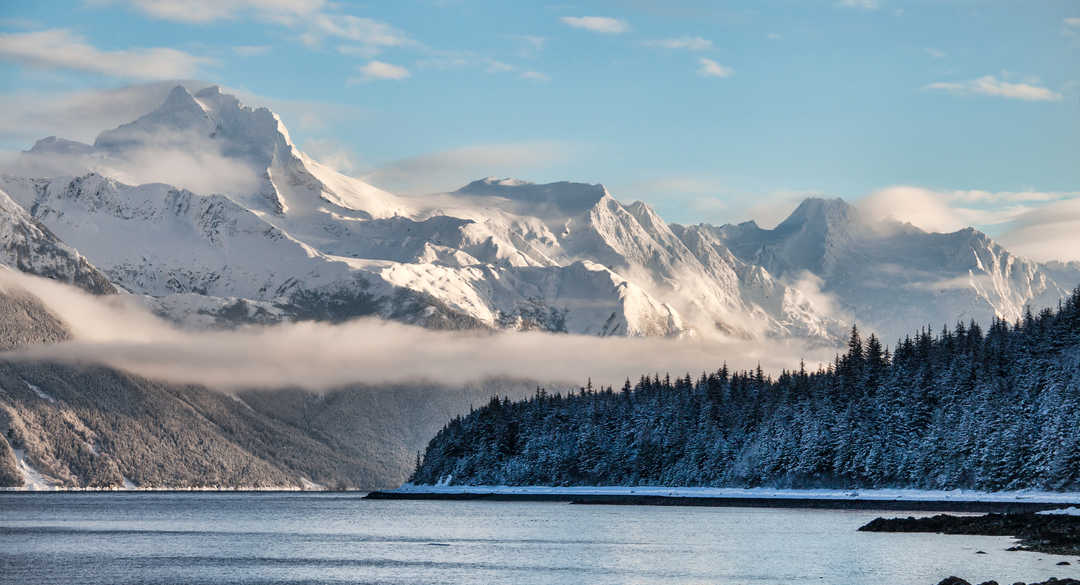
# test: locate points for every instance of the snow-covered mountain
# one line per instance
(305, 241)
(281, 236)
(893, 276)
(27, 245)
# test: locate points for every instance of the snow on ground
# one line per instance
(712, 492)
(1070, 511)
(32, 478)
(128, 484)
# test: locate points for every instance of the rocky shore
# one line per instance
(1046, 533)
(1051, 581)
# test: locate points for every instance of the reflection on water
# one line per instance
(118, 539)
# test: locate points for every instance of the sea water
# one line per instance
(312, 538)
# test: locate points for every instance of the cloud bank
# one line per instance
(116, 331)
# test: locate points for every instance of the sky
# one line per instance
(945, 113)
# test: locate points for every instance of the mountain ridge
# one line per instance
(497, 253)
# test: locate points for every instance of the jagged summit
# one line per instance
(307, 241)
(819, 214)
(179, 113)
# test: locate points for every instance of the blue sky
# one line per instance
(711, 111)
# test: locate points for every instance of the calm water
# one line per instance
(118, 539)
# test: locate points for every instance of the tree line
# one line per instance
(963, 408)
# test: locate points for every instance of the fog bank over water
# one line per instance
(118, 331)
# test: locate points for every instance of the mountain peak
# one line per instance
(180, 99)
(817, 212)
(210, 91)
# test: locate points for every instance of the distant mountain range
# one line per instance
(299, 240)
(288, 238)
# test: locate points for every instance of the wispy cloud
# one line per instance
(375, 70)
(688, 43)
(450, 169)
(365, 31)
(251, 50)
(939, 210)
(448, 60)
(710, 68)
(935, 53)
(535, 76)
(990, 85)
(78, 115)
(1047, 233)
(530, 45)
(598, 24)
(63, 49)
(860, 4)
(317, 19)
(1073, 21)
(203, 11)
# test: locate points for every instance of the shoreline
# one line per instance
(885, 500)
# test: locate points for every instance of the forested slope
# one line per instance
(966, 408)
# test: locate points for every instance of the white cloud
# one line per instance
(935, 53)
(688, 43)
(251, 50)
(950, 210)
(1073, 21)
(495, 66)
(860, 4)
(116, 331)
(599, 24)
(374, 70)
(530, 45)
(992, 86)
(1051, 232)
(186, 159)
(450, 169)
(366, 31)
(318, 18)
(535, 76)
(203, 11)
(774, 36)
(78, 115)
(62, 49)
(710, 68)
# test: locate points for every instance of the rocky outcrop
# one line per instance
(1049, 533)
